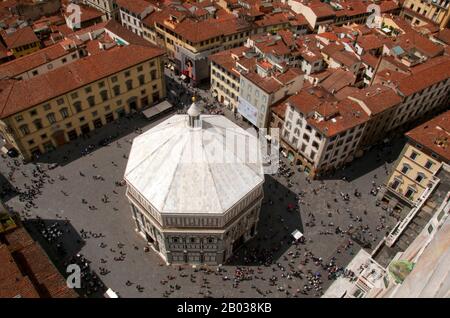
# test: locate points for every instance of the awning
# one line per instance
(297, 234)
(157, 109)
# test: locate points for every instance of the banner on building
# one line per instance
(247, 110)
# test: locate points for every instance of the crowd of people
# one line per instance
(275, 263)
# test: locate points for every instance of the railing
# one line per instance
(401, 226)
(398, 192)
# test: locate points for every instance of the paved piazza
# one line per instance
(268, 265)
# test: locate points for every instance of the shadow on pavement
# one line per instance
(96, 139)
(7, 190)
(63, 243)
(279, 217)
(374, 158)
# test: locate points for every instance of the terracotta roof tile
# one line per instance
(377, 98)
(444, 36)
(434, 135)
(135, 6)
(16, 96)
(20, 37)
(31, 61)
(424, 78)
(338, 116)
(338, 80)
(26, 271)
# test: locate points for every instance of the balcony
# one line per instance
(398, 193)
(402, 225)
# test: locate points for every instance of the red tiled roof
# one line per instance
(31, 61)
(116, 28)
(321, 9)
(370, 41)
(271, 84)
(338, 80)
(273, 19)
(328, 35)
(377, 98)
(339, 115)
(415, 40)
(20, 37)
(289, 75)
(344, 57)
(369, 59)
(226, 60)
(307, 99)
(434, 135)
(280, 108)
(424, 78)
(16, 96)
(3, 51)
(388, 6)
(88, 13)
(348, 115)
(268, 84)
(444, 36)
(298, 20)
(135, 6)
(26, 271)
(268, 44)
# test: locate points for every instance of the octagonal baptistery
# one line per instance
(195, 185)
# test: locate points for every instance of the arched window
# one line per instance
(129, 84)
(420, 177)
(116, 90)
(78, 107)
(51, 118)
(91, 101)
(104, 95)
(406, 167)
(141, 79)
(24, 129)
(37, 123)
(64, 112)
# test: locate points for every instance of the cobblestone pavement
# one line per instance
(286, 268)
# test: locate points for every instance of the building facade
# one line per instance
(423, 12)
(194, 210)
(428, 147)
(320, 134)
(21, 42)
(42, 113)
(108, 7)
(133, 13)
(42, 61)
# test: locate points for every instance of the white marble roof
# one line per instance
(183, 170)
